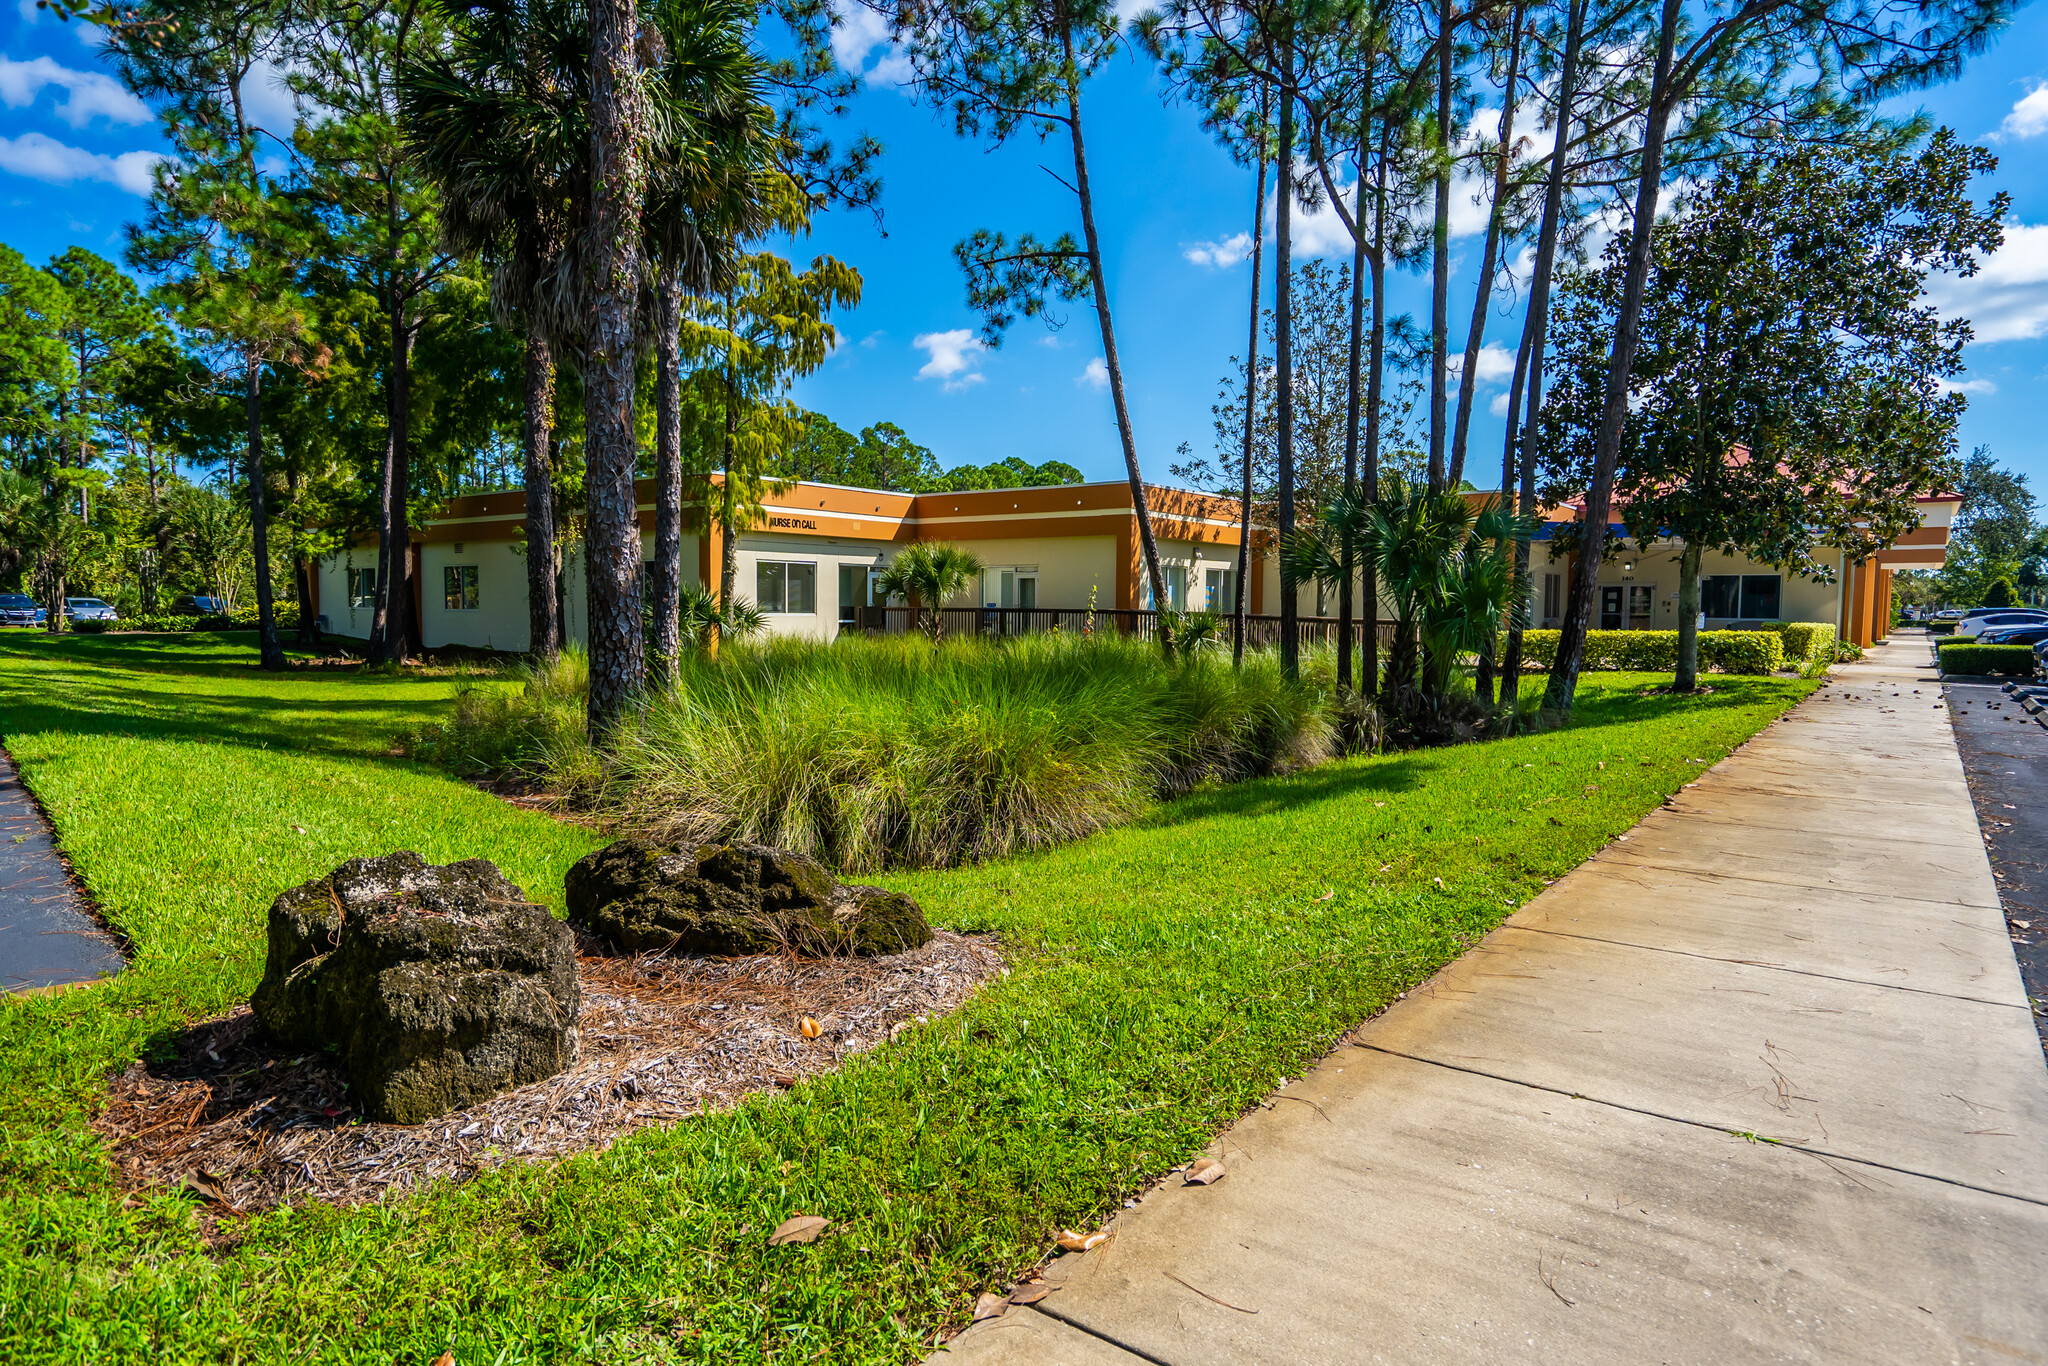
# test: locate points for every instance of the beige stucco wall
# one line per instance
(828, 554)
(1799, 598)
(1068, 568)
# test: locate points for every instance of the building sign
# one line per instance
(793, 523)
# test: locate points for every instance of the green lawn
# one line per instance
(1167, 974)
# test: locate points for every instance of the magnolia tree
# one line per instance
(1786, 391)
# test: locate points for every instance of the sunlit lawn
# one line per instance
(1165, 976)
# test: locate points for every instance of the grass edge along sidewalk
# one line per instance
(1167, 975)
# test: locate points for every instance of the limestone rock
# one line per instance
(734, 899)
(440, 986)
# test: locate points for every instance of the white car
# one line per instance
(2017, 616)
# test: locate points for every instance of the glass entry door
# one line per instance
(1610, 607)
(1018, 588)
(1640, 600)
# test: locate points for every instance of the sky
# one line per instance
(76, 149)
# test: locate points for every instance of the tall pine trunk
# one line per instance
(270, 650)
(1489, 257)
(1440, 255)
(1352, 398)
(1536, 327)
(543, 610)
(665, 591)
(1283, 361)
(392, 628)
(1251, 395)
(1369, 481)
(612, 538)
(1100, 288)
(1571, 642)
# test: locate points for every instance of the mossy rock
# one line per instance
(731, 900)
(440, 986)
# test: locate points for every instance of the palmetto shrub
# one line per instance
(894, 751)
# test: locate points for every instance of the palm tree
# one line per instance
(501, 120)
(925, 575)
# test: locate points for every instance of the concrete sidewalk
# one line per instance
(47, 937)
(1757, 1083)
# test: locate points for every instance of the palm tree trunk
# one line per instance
(666, 589)
(612, 535)
(1489, 256)
(1571, 643)
(543, 615)
(1100, 288)
(1351, 406)
(1283, 360)
(270, 651)
(1251, 395)
(1440, 255)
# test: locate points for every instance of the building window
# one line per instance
(362, 587)
(786, 586)
(1727, 597)
(1760, 596)
(1221, 585)
(458, 587)
(1553, 596)
(1641, 601)
(1176, 576)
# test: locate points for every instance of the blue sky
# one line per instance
(75, 151)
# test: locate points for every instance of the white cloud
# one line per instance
(857, 32)
(27, 10)
(1218, 255)
(1499, 406)
(1496, 363)
(88, 94)
(1966, 386)
(2029, 117)
(268, 101)
(1096, 375)
(44, 158)
(2007, 299)
(952, 357)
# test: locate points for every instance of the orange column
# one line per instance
(1882, 624)
(1859, 605)
(1127, 573)
(1255, 565)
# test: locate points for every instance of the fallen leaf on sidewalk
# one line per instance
(802, 1228)
(989, 1307)
(1031, 1292)
(1204, 1171)
(1081, 1242)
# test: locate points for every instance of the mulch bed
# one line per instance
(245, 1125)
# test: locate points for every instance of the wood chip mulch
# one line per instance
(244, 1125)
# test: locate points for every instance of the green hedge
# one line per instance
(1963, 658)
(1732, 652)
(1942, 628)
(1807, 642)
(242, 619)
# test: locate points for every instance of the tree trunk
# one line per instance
(1536, 328)
(270, 651)
(1352, 399)
(1571, 643)
(1283, 361)
(1489, 256)
(1369, 481)
(1686, 676)
(665, 591)
(1511, 492)
(1251, 396)
(543, 611)
(1440, 255)
(1147, 543)
(612, 531)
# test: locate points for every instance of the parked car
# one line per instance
(2032, 634)
(19, 609)
(89, 609)
(2012, 616)
(198, 606)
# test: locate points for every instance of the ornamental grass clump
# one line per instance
(898, 752)
(530, 730)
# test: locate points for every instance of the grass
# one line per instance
(1166, 974)
(893, 752)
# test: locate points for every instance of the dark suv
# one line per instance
(201, 606)
(19, 609)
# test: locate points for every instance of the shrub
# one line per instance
(500, 731)
(1809, 645)
(2001, 593)
(1969, 658)
(1731, 652)
(898, 752)
(1942, 628)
